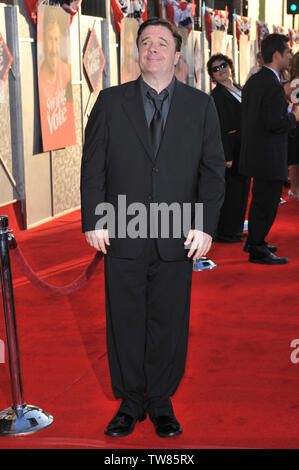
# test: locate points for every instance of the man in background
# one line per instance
(264, 148)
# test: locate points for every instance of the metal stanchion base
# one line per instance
(24, 419)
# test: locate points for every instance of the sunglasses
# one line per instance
(219, 67)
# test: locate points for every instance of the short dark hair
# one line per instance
(166, 24)
(219, 57)
(273, 43)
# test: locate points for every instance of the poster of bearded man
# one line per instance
(55, 78)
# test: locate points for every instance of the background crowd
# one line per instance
(274, 58)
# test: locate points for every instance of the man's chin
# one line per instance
(152, 68)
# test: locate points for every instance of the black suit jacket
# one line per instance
(265, 126)
(118, 160)
(229, 112)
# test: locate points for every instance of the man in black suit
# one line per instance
(154, 141)
(266, 123)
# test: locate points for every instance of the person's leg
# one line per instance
(168, 306)
(232, 214)
(262, 211)
(125, 284)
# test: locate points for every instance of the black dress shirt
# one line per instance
(149, 107)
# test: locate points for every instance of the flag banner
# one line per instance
(55, 78)
(262, 31)
(128, 8)
(32, 6)
(180, 13)
(71, 7)
(215, 20)
(278, 29)
(294, 37)
(243, 26)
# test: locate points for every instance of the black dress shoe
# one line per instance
(122, 424)
(228, 238)
(271, 248)
(268, 259)
(167, 426)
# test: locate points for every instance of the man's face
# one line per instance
(157, 53)
(284, 59)
(52, 46)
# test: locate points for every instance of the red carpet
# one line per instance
(240, 389)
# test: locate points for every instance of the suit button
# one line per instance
(155, 169)
(149, 197)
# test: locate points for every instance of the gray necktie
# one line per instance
(156, 125)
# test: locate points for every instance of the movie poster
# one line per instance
(198, 61)
(55, 78)
(216, 25)
(219, 42)
(129, 69)
(244, 49)
(182, 67)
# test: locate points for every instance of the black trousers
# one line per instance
(232, 214)
(263, 209)
(147, 318)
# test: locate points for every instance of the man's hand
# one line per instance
(201, 243)
(229, 164)
(98, 239)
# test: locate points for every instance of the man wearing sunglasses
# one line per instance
(266, 123)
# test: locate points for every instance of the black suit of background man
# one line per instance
(264, 149)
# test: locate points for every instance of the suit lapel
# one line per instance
(134, 109)
(270, 74)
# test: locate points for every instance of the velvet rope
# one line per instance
(49, 288)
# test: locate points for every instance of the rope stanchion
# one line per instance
(20, 418)
(45, 286)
